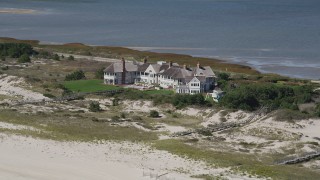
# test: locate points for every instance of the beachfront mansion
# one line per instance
(170, 75)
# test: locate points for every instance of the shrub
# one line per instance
(5, 68)
(252, 96)
(317, 110)
(223, 76)
(94, 107)
(3, 58)
(77, 75)
(71, 58)
(49, 95)
(154, 113)
(24, 59)
(123, 115)
(56, 57)
(290, 115)
(115, 102)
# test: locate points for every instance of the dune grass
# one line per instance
(92, 85)
(238, 161)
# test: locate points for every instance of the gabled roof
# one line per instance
(143, 67)
(177, 72)
(118, 67)
(203, 71)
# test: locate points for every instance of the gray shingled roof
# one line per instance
(117, 67)
(177, 72)
(203, 71)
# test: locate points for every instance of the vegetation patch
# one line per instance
(92, 85)
(237, 161)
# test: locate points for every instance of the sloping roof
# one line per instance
(118, 67)
(203, 71)
(143, 67)
(177, 72)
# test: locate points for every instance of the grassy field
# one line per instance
(91, 85)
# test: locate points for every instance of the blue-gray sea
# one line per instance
(279, 36)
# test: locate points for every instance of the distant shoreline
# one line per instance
(17, 11)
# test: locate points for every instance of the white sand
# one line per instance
(9, 85)
(28, 158)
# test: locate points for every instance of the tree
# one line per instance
(95, 107)
(154, 113)
(24, 59)
(100, 73)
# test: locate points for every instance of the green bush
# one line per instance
(290, 115)
(253, 96)
(94, 107)
(77, 75)
(223, 76)
(317, 110)
(123, 115)
(56, 57)
(49, 95)
(154, 114)
(100, 73)
(71, 58)
(24, 59)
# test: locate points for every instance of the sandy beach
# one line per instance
(28, 158)
(17, 11)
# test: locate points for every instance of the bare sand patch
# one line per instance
(10, 85)
(28, 158)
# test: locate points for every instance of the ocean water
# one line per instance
(279, 36)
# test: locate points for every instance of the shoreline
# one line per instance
(17, 11)
(265, 68)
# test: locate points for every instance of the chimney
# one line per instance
(170, 64)
(198, 65)
(184, 66)
(145, 60)
(123, 78)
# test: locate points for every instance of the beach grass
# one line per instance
(66, 126)
(241, 162)
(91, 85)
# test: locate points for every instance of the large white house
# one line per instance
(184, 79)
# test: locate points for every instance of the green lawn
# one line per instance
(91, 85)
